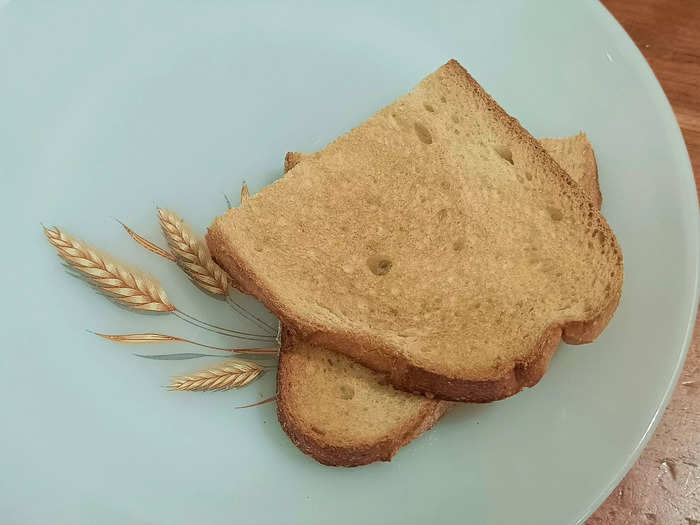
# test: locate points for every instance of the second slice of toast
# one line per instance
(342, 413)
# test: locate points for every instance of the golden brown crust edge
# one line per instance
(410, 378)
(339, 456)
(400, 372)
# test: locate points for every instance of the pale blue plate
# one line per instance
(107, 108)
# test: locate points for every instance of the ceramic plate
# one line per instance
(110, 108)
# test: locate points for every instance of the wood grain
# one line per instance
(664, 485)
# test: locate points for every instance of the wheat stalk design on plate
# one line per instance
(232, 374)
(262, 402)
(192, 254)
(141, 291)
(151, 338)
(151, 247)
(127, 286)
(130, 287)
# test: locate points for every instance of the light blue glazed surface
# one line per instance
(109, 107)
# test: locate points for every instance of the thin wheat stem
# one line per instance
(230, 330)
(251, 351)
(263, 402)
(205, 326)
(250, 316)
(154, 338)
(145, 243)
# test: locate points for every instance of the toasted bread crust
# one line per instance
(410, 378)
(398, 369)
(382, 449)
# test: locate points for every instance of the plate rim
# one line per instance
(657, 91)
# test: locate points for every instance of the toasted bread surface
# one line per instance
(437, 243)
(340, 412)
(574, 154)
(318, 402)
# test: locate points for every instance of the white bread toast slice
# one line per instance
(437, 243)
(340, 412)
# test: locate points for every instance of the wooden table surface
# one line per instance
(664, 485)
